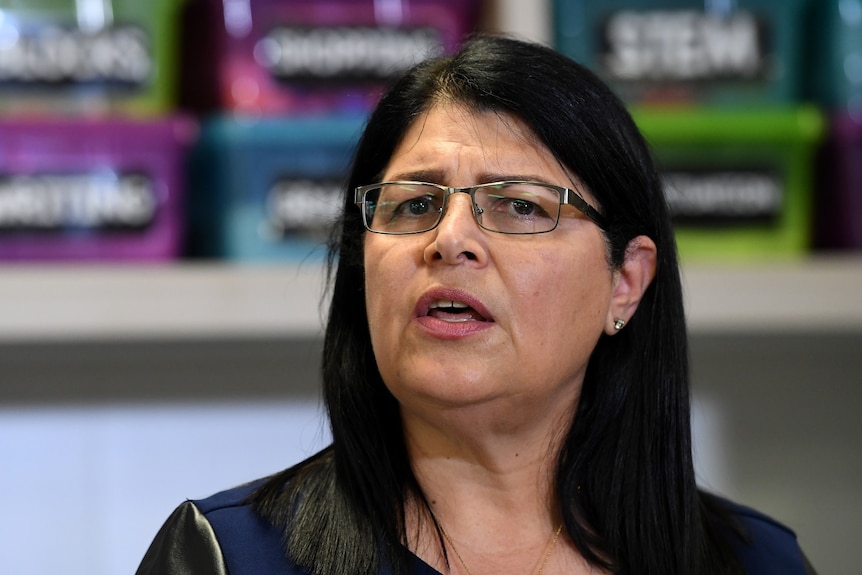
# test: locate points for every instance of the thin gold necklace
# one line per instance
(548, 551)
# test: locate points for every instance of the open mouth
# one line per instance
(454, 311)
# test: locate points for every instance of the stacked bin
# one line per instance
(285, 87)
(91, 152)
(91, 189)
(834, 81)
(269, 190)
(716, 88)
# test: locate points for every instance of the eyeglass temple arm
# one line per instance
(573, 199)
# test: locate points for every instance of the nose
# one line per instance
(458, 237)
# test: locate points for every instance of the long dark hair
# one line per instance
(624, 476)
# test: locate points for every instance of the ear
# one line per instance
(631, 280)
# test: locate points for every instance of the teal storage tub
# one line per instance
(688, 52)
(833, 73)
(268, 189)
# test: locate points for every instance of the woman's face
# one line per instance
(528, 309)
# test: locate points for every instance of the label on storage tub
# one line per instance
(723, 197)
(336, 54)
(52, 56)
(57, 202)
(684, 46)
(303, 207)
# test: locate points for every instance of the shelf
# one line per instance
(209, 301)
(821, 294)
(185, 301)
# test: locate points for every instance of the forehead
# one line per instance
(457, 141)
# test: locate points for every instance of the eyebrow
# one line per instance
(431, 176)
(437, 176)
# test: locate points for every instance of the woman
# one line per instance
(505, 363)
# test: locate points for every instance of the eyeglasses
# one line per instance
(510, 207)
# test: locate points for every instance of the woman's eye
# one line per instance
(519, 208)
(414, 207)
(418, 206)
(523, 207)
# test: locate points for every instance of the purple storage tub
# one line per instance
(289, 57)
(86, 189)
(838, 194)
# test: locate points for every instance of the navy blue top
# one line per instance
(223, 535)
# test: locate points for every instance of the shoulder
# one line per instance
(249, 543)
(230, 500)
(218, 535)
(769, 547)
(185, 545)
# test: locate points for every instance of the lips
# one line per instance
(448, 310)
(452, 312)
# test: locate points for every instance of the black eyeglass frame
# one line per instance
(567, 196)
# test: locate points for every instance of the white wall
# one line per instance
(85, 488)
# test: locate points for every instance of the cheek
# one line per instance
(375, 282)
(566, 297)
(387, 270)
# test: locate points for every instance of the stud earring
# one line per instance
(619, 323)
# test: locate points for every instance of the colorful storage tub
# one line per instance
(269, 189)
(834, 72)
(92, 189)
(838, 197)
(672, 52)
(277, 57)
(88, 56)
(738, 183)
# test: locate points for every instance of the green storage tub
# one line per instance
(88, 56)
(739, 183)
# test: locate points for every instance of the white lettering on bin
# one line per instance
(683, 46)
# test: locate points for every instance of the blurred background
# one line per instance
(168, 169)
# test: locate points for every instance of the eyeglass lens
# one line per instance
(514, 208)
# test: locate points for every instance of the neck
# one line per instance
(488, 485)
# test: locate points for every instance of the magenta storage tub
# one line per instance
(838, 192)
(276, 57)
(77, 189)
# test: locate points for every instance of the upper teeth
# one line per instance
(449, 303)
